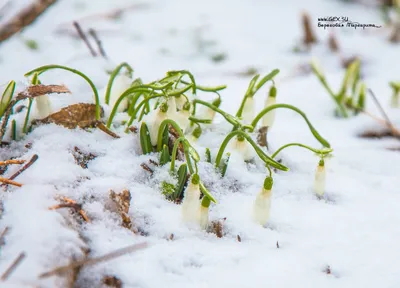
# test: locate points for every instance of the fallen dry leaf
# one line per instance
(81, 115)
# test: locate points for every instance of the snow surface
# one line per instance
(355, 231)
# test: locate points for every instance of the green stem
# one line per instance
(302, 114)
(123, 95)
(14, 130)
(112, 77)
(43, 69)
(25, 128)
(175, 151)
(268, 160)
(335, 98)
(196, 120)
(163, 125)
(187, 73)
(207, 89)
(318, 151)
(228, 117)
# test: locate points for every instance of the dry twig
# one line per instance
(93, 33)
(12, 161)
(84, 38)
(24, 18)
(8, 181)
(26, 166)
(147, 168)
(96, 260)
(12, 267)
(395, 132)
(3, 234)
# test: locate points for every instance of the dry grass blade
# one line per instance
(104, 128)
(395, 132)
(12, 161)
(12, 267)
(8, 181)
(96, 260)
(24, 18)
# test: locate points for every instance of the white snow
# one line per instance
(355, 231)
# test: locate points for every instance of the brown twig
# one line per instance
(12, 161)
(24, 18)
(96, 260)
(12, 267)
(69, 203)
(104, 128)
(309, 35)
(93, 33)
(26, 166)
(395, 132)
(8, 181)
(147, 168)
(3, 234)
(84, 38)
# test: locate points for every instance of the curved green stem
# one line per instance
(175, 151)
(196, 120)
(163, 125)
(302, 114)
(187, 73)
(228, 117)
(268, 160)
(143, 102)
(45, 68)
(318, 151)
(112, 77)
(123, 95)
(207, 89)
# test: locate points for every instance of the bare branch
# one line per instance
(24, 18)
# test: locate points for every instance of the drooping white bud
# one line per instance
(248, 110)
(262, 204)
(121, 83)
(43, 106)
(319, 182)
(191, 202)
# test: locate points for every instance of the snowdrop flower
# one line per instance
(262, 204)
(182, 117)
(191, 202)
(154, 120)
(180, 101)
(43, 106)
(203, 212)
(242, 147)
(319, 182)
(121, 83)
(248, 110)
(210, 113)
(269, 118)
